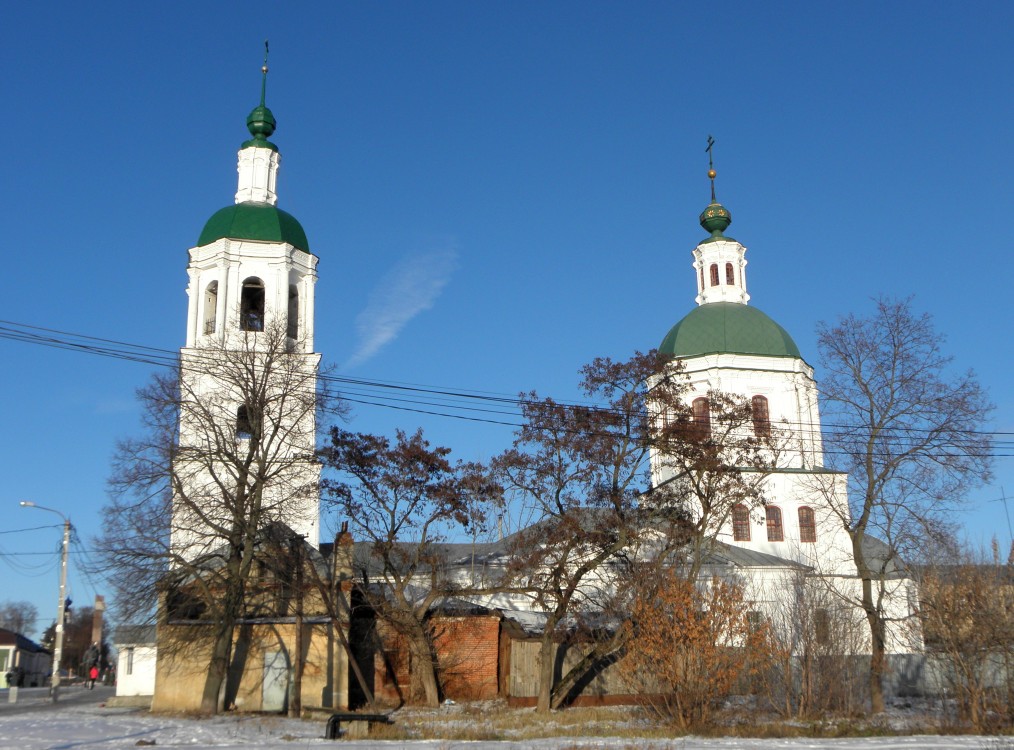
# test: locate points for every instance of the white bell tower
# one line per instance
(248, 379)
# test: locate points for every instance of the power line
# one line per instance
(33, 528)
(432, 400)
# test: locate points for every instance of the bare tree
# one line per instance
(967, 611)
(814, 641)
(694, 643)
(712, 465)
(18, 616)
(404, 500)
(909, 431)
(581, 470)
(228, 448)
(585, 471)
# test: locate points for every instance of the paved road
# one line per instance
(37, 699)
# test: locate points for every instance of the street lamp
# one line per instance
(61, 611)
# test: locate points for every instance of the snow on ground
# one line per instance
(94, 727)
(34, 725)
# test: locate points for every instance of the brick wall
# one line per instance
(468, 651)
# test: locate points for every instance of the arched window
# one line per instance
(244, 428)
(774, 522)
(761, 418)
(714, 274)
(730, 274)
(251, 305)
(702, 418)
(807, 525)
(210, 307)
(292, 329)
(740, 523)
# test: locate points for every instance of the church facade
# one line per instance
(251, 306)
(727, 346)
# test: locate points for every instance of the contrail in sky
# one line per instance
(408, 289)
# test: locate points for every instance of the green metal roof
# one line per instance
(254, 221)
(728, 328)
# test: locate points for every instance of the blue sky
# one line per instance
(498, 193)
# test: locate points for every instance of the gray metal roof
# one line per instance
(722, 553)
(127, 635)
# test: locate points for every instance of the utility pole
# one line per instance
(62, 606)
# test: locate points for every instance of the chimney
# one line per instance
(100, 608)
(343, 547)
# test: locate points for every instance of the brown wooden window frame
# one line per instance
(773, 521)
(702, 417)
(807, 526)
(761, 416)
(740, 523)
(714, 274)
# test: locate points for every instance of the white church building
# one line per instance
(251, 278)
(798, 538)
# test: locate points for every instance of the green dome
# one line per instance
(715, 219)
(254, 221)
(261, 124)
(728, 328)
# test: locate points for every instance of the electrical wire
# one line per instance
(442, 401)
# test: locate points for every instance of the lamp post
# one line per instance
(61, 610)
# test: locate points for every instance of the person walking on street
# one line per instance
(93, 675)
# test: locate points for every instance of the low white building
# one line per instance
(135, 662)
(27, 663)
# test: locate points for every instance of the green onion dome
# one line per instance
(261, 222)
(728, 328)
(715, 219)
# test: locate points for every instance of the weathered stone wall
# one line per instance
(185, 651)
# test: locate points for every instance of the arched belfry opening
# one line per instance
(210, 307)
(292, 327)
(244, 426)
(251, 305)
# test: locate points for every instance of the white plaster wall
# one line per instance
(293, 494)
(789, 387)
(230, 262)
(720, 252)
(141, 680)
(257, 170)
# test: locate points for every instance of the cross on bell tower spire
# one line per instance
(719, 261)
(711, 167)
